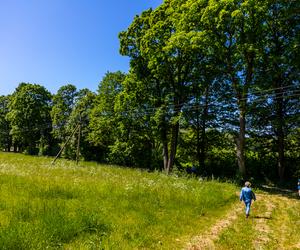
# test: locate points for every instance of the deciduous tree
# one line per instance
(29, 116)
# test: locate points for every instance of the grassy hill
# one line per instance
(92, 206)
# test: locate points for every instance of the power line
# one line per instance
(272, 89)
(187, 107)
(214, 104)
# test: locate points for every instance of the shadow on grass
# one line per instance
(292, 194)
(262, 217)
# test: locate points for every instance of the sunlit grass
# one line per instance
(92, 206)
(285, 224)
(239, 235)
(273, 224)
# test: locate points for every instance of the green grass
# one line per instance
(285, 224)
(92, 206)
(273, 224)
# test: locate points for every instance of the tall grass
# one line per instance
(92, 206)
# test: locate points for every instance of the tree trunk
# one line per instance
(240, 143)
(240, 140)
(198, 127)
(242, 94)
(165, 152)
(279, 111)
(203, 145)
(174, 138)
(203, 130)
(279, 130)
(165, 157)
(281, 158)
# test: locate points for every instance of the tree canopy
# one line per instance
(213, 87)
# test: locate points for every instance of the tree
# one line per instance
(63, 103)
(29, 116)
(103, 116)
(161, 62)
(80, 116)
(279, 75)
(231, 31)
(137, 141)
(5, 137)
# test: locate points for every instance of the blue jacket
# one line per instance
(247, 195)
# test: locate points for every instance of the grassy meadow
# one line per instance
(92, 206)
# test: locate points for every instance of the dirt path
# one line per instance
(261, 226)
(271, 222)
(206, 241)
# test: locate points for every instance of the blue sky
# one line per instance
(56, 42)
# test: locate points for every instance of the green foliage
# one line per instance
(81, 114)
(165, 67)
(5, 138)
(29, 116)
(63, 103)
(103, 117)
(212, 84)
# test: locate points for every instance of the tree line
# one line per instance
(213, 86)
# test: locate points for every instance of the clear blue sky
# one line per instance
(56, 42)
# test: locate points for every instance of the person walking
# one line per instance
(247, 195)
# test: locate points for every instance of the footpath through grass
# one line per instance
(274, 224)
(93, 206)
